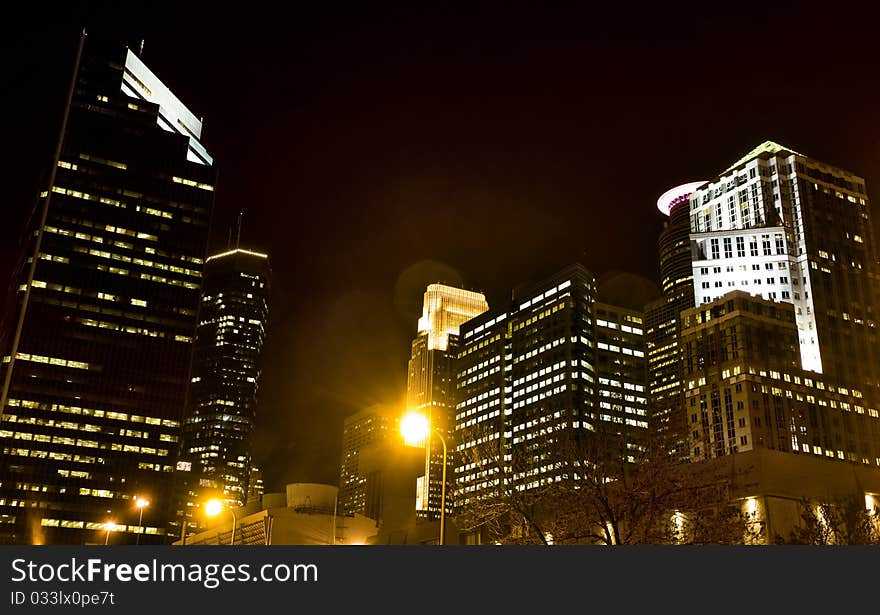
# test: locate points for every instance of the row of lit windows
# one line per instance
(118, 230)
(618, 395)
(120, 416)
(536, 351)
(477, 410)
(479, 398)
(30, 420)
(810, 382)
(105, 297)
(23, 356)
(90, 525)
(542, 395)
(127, 329)
(63, 440)
(539, 316)
(137, 261)
(542, 372)
(480, 345)
(614, 325)
(545, 295)
(518, 392)
(620, 349)
(479, 366)
(629, 386)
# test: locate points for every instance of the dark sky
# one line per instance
(376, 150)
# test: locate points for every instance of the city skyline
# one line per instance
(556, 178)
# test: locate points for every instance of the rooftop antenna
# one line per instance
(238, 234)
(141, 49)
(229, 240)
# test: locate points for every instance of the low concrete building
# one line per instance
(304, 515)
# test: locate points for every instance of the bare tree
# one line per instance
(604, 489)
(842, 521)
(500, 511)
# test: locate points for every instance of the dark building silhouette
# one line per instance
(97, 341)
(215, 456)
(360, 490)
(663, 319)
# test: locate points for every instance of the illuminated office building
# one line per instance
(553, 363)
(359, 490)
(431, 382)
(788, 228)
(96, 347)
(745, 388)
(662, 319)
(225, 377)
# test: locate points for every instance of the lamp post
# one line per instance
(141, 504)
(213, 508)
(416, 428)
(109, 526)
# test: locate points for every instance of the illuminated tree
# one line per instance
(605, 489)
(843, 521)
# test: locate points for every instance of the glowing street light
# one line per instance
(110, 526)
(141, 503)
(215, 507)
(416, 430)
(415, 427)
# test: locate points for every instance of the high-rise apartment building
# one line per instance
(224, 378)
(789, 228)
(552, 364)
(96, 348)
(662, 320)
(745, 388)
(431, 382)
(360, 491)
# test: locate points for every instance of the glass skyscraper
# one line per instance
(98, 336)
(215, 459)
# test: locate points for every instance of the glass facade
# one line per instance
(224, 379)
(97, 344)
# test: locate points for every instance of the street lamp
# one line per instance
(141, 504)
(109, 526)
(416, 431)
(215, 507)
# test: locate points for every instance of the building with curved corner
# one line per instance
(663, 317)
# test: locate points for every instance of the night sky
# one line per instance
(375, 150)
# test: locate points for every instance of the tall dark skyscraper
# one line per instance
(663, 320)
(215, 454)
(360, 491)
(98, 337)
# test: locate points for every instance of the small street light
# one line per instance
(416, 431)
(215, 507)
(110, 526)
(141, 503)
